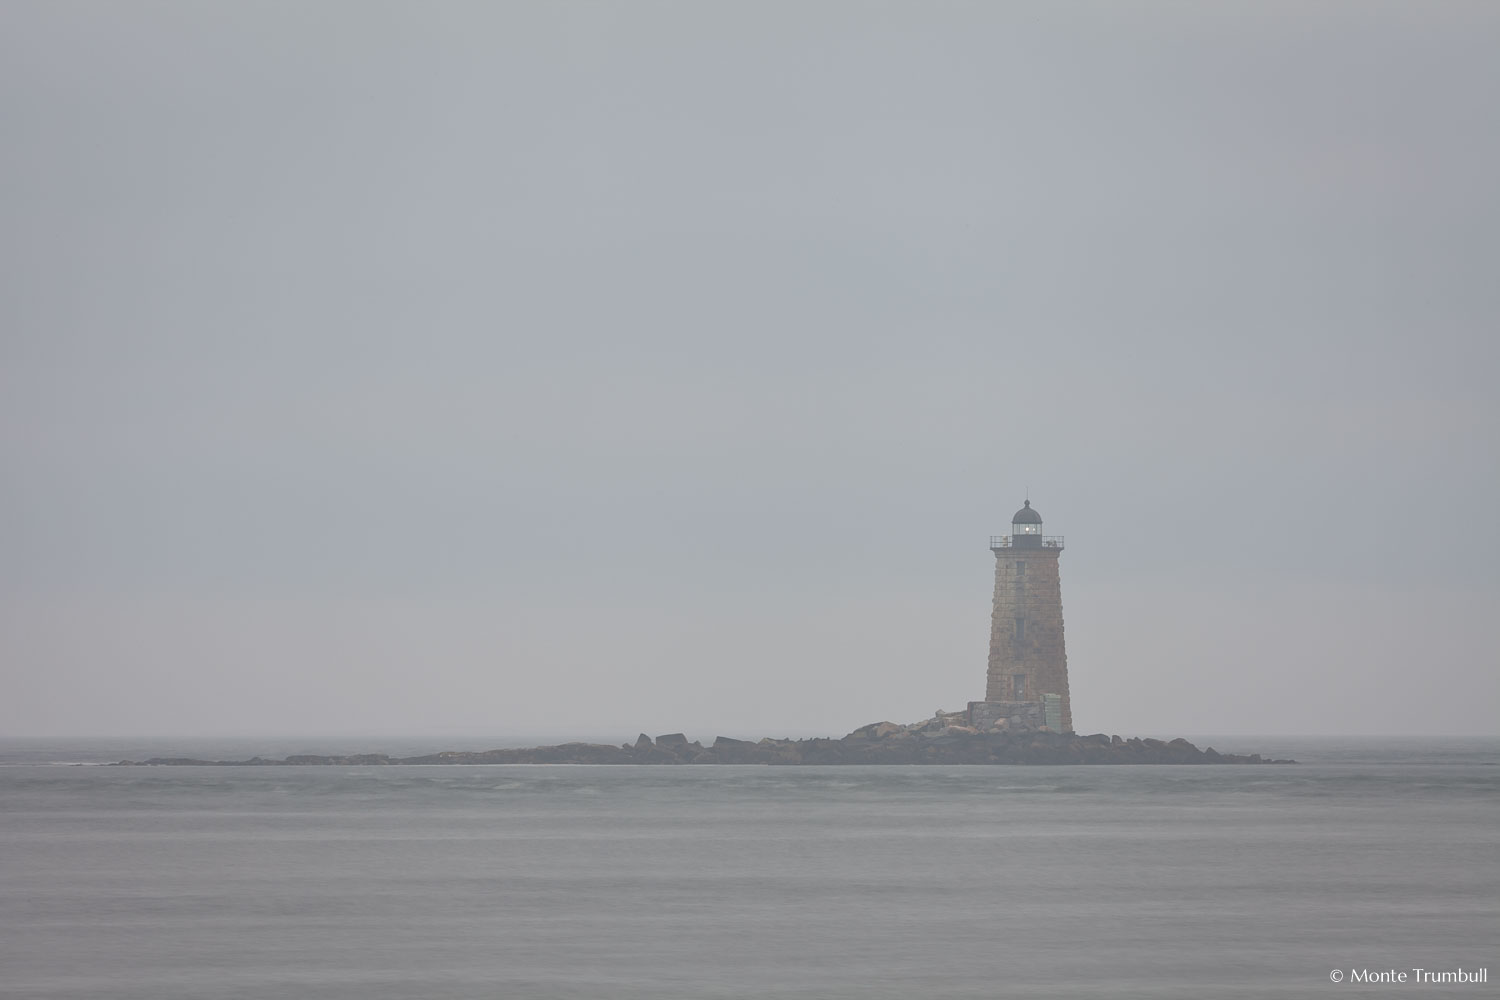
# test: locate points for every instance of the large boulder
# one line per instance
(731, 751)
(876, 731)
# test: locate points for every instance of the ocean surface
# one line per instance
(371, 883)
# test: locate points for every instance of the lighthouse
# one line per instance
(1027, 680)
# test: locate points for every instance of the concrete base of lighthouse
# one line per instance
(1017, 716)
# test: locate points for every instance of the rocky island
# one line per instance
(943, 739)
(1025, 718)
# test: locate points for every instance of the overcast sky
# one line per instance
(497, 370)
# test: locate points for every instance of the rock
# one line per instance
(876, 731)
(731, 751)
(944, 739)
(364, 759)
(583, 753)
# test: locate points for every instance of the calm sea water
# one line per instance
(330, 883)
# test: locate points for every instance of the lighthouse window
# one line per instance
(1018, 687)
(1020, 630)
(1020, 569)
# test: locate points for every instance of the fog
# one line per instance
(567, 370)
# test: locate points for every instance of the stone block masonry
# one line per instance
(1028, 656)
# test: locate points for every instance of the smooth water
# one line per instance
(331, 883)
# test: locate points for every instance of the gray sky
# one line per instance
(574, 369)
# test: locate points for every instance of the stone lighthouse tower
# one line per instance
(1028, 669)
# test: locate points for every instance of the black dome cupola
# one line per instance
(1026, 527)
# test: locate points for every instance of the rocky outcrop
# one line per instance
(942, 739)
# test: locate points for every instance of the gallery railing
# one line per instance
(1026, 541)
